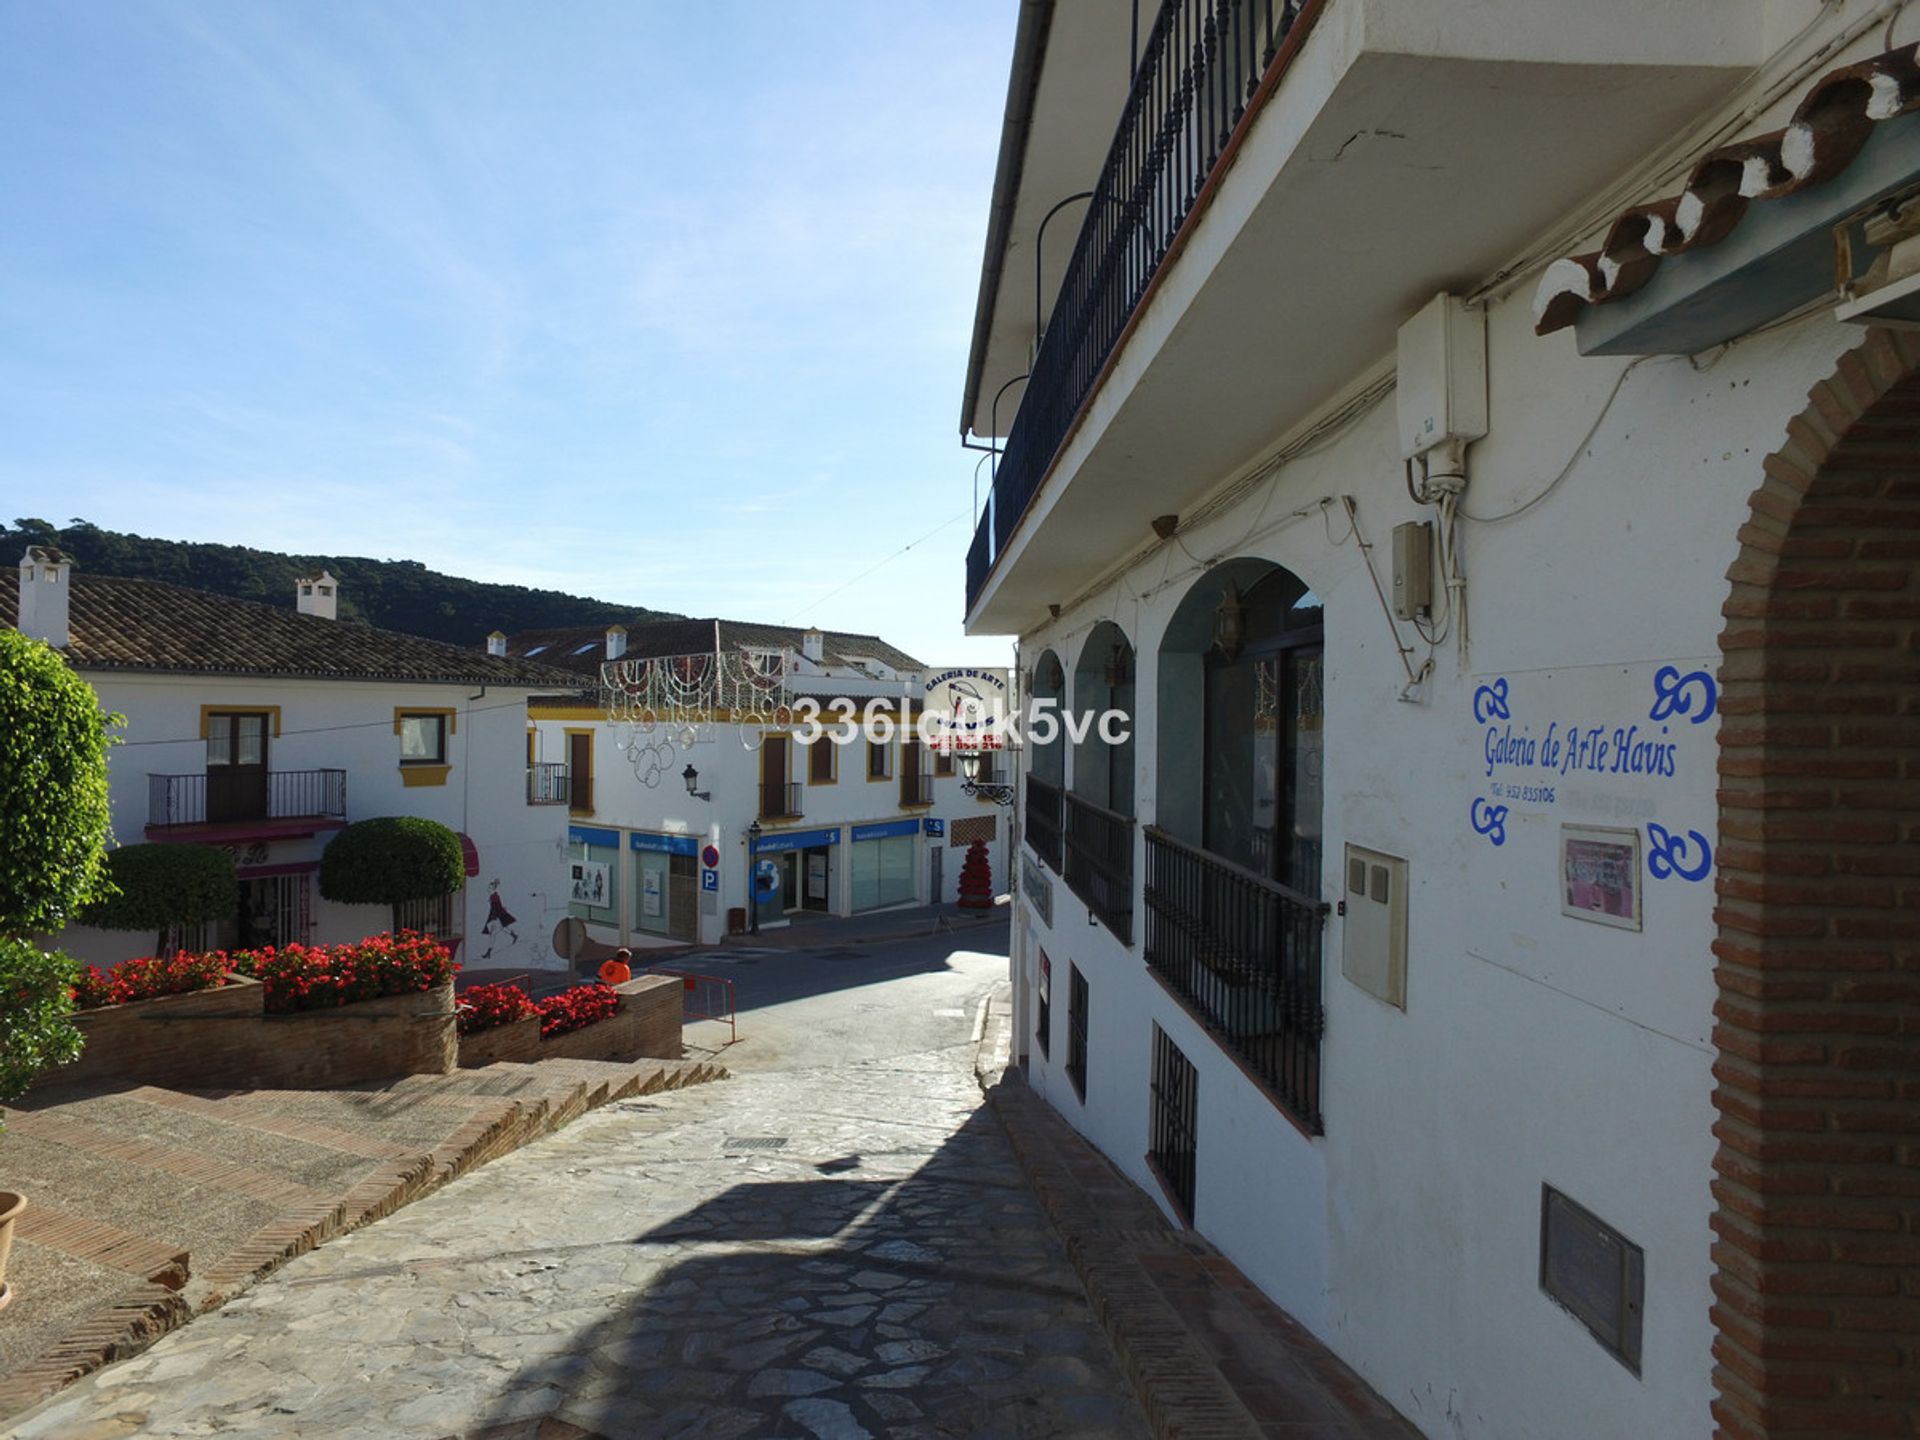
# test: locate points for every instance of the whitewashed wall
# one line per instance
(348, 725)
(1535, 1047)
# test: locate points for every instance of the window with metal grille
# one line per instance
(1043, 1012)
(440, 916)
(1172, 1123)
(1077, 1030)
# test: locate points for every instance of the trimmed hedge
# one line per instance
(36, 1008)
(391, 860)
(162, 885)
(53, 788)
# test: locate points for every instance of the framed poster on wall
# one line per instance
(1600, 875)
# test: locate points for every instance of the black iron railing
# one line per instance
(1200, 64)
(916, 787)
(1077, 1030)
(1100, 863)
(547, 784)
(1245, 953)
(780, 800)
(287, 795)
(1043, 820)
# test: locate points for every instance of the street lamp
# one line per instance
(692, 777)
(970, 783)
(753, 876)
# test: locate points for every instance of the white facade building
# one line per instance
(266, 731)
(1513, 857)
(844, 829)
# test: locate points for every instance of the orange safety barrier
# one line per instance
(705, 997)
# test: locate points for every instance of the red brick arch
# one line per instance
(1817, 1175)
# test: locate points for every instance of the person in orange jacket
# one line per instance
(618, 971)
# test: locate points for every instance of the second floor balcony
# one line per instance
(781, 800)
(549, 784)
(244, 799)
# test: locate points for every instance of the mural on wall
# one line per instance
(1584, 762)
(500, 921)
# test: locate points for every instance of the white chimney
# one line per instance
(496, 642)
(46, 578)
(813, 645)
(317, 595)
(616, 641)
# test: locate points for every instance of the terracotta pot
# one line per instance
(10, 1207)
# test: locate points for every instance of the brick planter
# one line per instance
(647, 1025)
(516, 1040)
(222, 1039)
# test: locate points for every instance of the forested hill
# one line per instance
(391, 594)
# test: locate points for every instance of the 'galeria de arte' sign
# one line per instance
(1598, 745)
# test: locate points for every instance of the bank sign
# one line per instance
(968, 706)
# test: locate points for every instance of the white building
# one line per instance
(844, 829)
(266, 731)
(1504, 907)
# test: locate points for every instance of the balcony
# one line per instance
(548, 784)
(1279, 169)
(916, 788)
(1043, 821)
(1244, 954)
(1099, 870)
(219, 806)
(780, 800)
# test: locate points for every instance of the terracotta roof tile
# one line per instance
(148, 625)
(582, 648)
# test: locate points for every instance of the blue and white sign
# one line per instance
(709, 879)
(592, 835)
(936, 826)
(882, 830)
(663, 844)
(766, 877)
(799, 840)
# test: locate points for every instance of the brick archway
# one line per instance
(1817, 1175)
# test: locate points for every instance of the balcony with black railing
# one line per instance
(1043, 819)
(780, 800)
(237, 795)
(1244, 953)
(916, 788)
(1099, 854)
(1200, 64)
(548, 784)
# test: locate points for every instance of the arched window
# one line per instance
(1103, 680)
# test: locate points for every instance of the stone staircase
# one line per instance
(471, 1116)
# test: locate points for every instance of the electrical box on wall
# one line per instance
(1412, 569)
(1374, 939)
(1441, 379)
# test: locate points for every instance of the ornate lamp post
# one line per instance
(970, 782)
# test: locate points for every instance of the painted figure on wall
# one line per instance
(499, 918)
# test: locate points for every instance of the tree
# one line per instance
(53, 834)
(163, 885)
(53, 789)
(390, 861)
(976, 878)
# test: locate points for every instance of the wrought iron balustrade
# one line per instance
(1099, 844)
(548, 784)
(1200, 64)
(1043, 820)
(780, 800)
(916, 787)
(174, 800)
(1245, 953)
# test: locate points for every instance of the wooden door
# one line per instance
(773, 777)
(580, 772)
(236, 765)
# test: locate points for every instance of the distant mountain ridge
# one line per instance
(398, 595)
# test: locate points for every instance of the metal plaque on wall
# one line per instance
(1594, 1272)
(1038, 888)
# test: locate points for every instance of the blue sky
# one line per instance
(663, 302)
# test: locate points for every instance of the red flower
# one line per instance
(483, 1007)
(577, 1007)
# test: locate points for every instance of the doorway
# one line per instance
(236, 765)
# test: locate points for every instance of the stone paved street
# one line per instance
(840, 1248)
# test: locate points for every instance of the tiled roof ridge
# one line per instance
(1826, 132)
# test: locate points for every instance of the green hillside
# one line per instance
(391, 594)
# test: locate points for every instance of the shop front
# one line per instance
(665, 884)
(882, 864)
(593, 872)
(794, 870)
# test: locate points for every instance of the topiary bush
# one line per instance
(53, 788)
(36, 1005)
(162, 885)
(391, 860)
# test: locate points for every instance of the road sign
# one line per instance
(709, 879)
(710, 857)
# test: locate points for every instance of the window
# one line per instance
(943, 764)
(536, 650)
(879, 760)
(1077, 1030)
(1043, 1012)
(1175, 1094)
(821, 762)
(423, 739)
(438, 915)
(586, 647)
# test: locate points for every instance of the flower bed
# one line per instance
(321, 977)
(487, 1007)
(149, 978)
(576, 1008)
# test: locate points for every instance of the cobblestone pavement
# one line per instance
(830, 1252)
